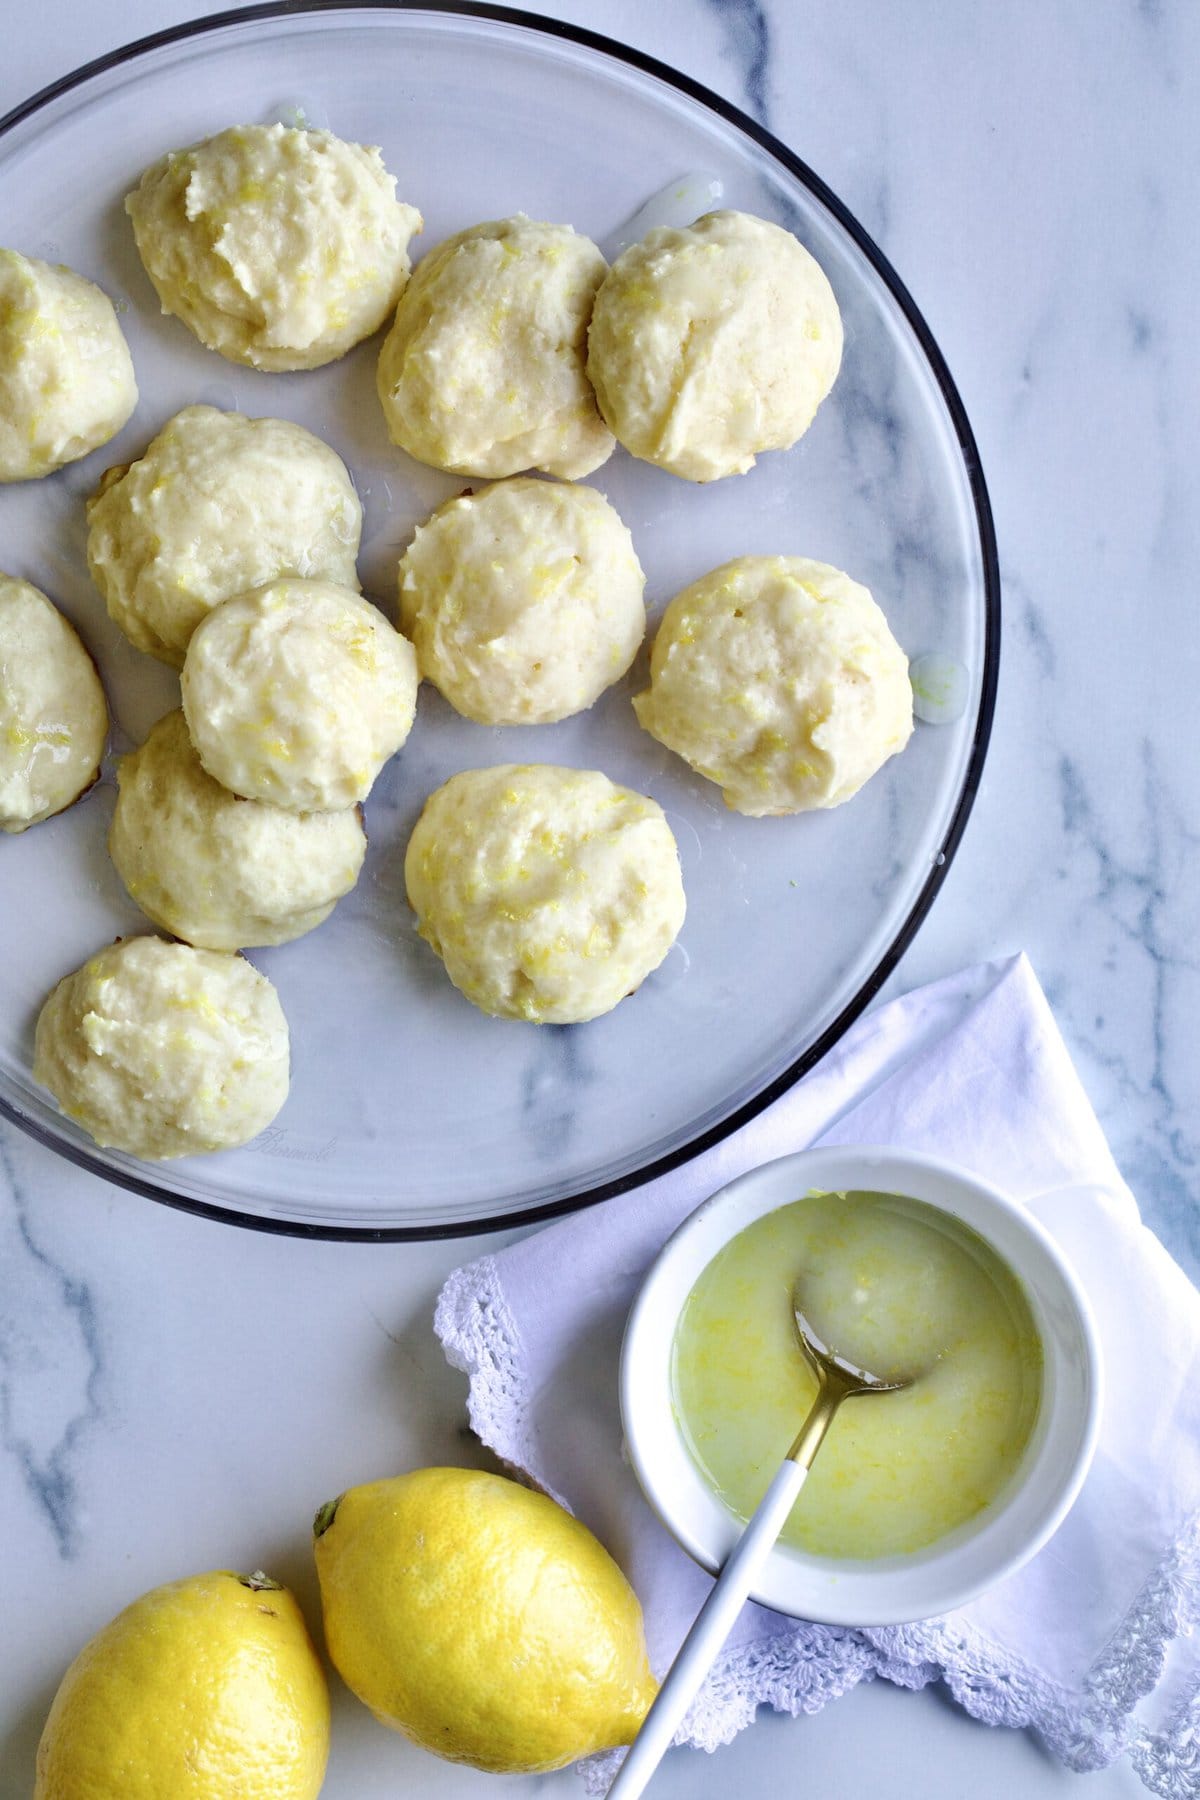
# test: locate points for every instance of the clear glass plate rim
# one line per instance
(538, 24)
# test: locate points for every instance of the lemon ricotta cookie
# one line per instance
(524, 601)
(66, 377)
(779, 679)
(219, 504)
(298, 693)
(711, 343)
(279, 247)
(162, 1050)
(53, 717)
(221, 872)
(549, 893)
(483, 372)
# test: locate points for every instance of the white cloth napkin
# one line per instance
(1082, 1644)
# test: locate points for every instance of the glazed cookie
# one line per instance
(221, 872)
(298, 693)
(161, 1050)
(778, 679)
(219, 504)
(280, 248)
(524, 601)
(713, 343)
(53, 719)
(482, 372)
(66, 378)
(550, 894)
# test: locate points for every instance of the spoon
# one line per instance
(837, 1380)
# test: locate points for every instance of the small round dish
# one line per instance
(889, 1590)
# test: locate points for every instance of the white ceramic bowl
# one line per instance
(897, 1589)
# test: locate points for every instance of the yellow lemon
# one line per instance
(200, 1690)
(481, 1620)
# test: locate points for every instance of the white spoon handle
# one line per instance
(712, 1626)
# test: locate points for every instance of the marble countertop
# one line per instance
(173, 1393)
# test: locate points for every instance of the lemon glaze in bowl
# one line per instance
(955, 1568)
(892, 1286)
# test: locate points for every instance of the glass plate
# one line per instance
(412, 1114)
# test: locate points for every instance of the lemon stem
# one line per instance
(325, 1517)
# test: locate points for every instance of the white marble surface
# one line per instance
(176, 1395)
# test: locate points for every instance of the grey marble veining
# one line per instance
(747, 33)
(176, 1395)
(50, 1361)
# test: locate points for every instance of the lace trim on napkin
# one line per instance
(794, 1674)
(1090, 1728)
(800, 1671)
(479, 1336)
